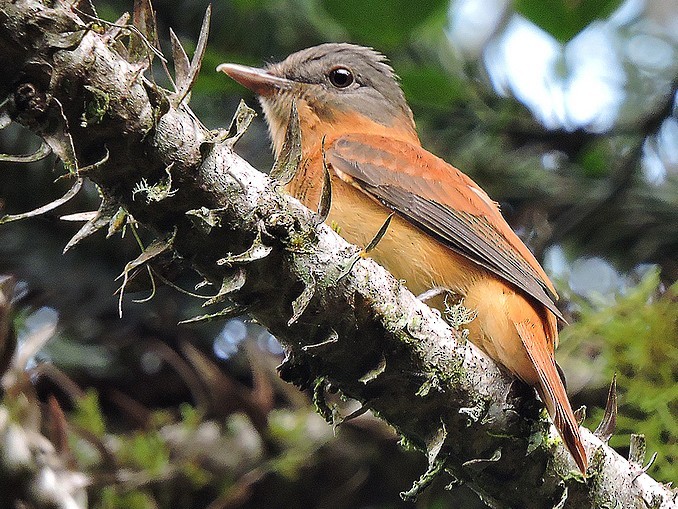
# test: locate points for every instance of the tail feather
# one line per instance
(552, 392)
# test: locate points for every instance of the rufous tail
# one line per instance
(552, 392)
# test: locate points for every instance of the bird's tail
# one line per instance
(552, 392)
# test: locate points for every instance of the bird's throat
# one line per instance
(330, 125)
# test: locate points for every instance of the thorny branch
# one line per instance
(344, 321)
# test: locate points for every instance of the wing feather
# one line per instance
(443, 202)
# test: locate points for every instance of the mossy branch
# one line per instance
(354, 325)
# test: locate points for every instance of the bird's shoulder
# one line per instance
(441, 200)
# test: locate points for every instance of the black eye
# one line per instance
(341, 77)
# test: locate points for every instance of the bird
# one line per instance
(446, 233)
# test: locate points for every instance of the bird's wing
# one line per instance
(442, 201)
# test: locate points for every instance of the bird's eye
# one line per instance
(341, 77)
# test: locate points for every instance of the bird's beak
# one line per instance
(258, 81)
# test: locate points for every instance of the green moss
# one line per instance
(638, 339)
(113, 497)
(96, 106)
(88, 414)
(145, 451)
(407, 444)
(319, 403)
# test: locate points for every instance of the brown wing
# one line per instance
(442, 201)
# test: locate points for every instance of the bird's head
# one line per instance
(338, 88)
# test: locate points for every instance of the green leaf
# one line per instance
(431, 86)
(384, 23)
(564, 19)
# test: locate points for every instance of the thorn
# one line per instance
(326, 192)
(651, 462)
(94, 222)
(45, 208)
(380, 234)
(156, 248)
(563, 499)
(332, 339)
(300, 304)
(347, 266)
(637, 450)
(228, 312)
(181, 62)
(286, 166)
(62, 143)
(58, 426)
(580, 415)
(257, 251)
(338, 420)
(96, 165)
(480, 464)
(115, 29)
(145, 30)
(353, 415)
(424, 481)
(229, 285)
(242, 118)
(608, 425)
(199, 54)
(647, 467)
(43, 151)
(84, 7)
(206, 219)
(374, 373)
(435, 444)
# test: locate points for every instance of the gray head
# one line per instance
(329, 82)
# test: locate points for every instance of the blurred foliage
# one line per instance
(564, 20)
(161, 425)
(636, 338)
(396, 19)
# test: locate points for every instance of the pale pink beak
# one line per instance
(258, 81)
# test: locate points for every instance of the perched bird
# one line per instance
(446, 233)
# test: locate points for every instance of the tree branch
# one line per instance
(344, 320)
